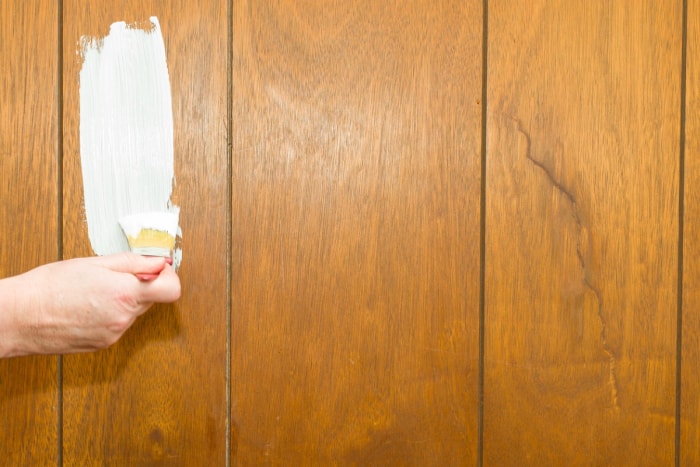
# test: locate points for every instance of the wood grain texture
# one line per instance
(354, 280)
(690, 356)
(158, 397)
(355, 244)
(581, 244)
(29, 214)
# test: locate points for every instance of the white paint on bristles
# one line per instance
(126, 131)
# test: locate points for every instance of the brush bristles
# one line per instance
(151, 234)
(152, 243)
(152, 237)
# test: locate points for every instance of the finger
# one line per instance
(145, 276)
(166, 288)
(134, 264)
(150, 276)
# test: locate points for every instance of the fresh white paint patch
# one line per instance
(126, 131)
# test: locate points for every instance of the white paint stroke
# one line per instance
(126, 131)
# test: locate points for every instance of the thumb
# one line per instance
(165, 288)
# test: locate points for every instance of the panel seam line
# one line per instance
(229, 220)
(482, 232)
(681, 215)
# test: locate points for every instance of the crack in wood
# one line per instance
(571, 199)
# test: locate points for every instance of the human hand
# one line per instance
(80, 304)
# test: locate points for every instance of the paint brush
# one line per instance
(151, 234)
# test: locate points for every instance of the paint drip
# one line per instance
(126, 131)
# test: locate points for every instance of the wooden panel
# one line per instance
(159, 395)
(690, 357)
(355, 241)
(581, 246)
(29, 213)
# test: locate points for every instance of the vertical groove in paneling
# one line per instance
(689, 454)
(59, 210)
(59, 124)
(482, 222)
(229, 216)
(582, 219)
(681, 232)
(28, 210)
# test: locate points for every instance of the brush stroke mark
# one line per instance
(571, 199)
(126, 130)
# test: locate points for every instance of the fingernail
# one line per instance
(146, 276)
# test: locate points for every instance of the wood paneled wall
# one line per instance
(159, 397)
(690, 356)
(421, 233)
(29, 194)
(355, 253)
(582, 221)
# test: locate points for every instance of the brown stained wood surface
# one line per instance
(29, 215)
(355, 240)
(582, 231)
(690, 371)
(348, 294)
(158, 397)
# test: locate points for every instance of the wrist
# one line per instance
(18, 302)
(8, 318)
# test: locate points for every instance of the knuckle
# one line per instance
(120, 324)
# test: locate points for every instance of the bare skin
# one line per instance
(81, 304)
